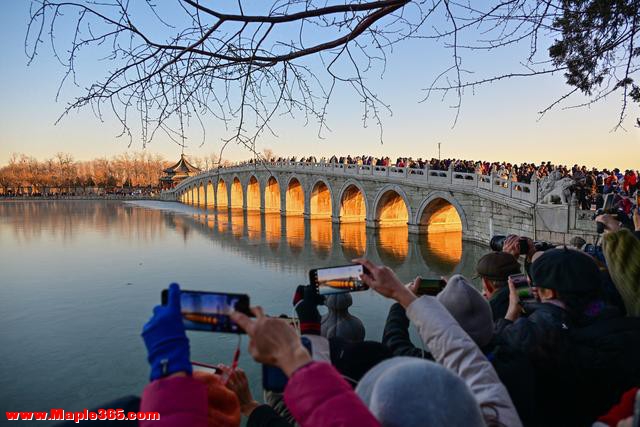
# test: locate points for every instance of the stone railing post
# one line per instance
(534, 187)
(338, 322)
(493, 177)
(451, 173)
(426, 171)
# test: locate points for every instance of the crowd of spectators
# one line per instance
(590, 183)
(552, 339)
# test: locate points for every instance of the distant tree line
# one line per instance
(61, 173)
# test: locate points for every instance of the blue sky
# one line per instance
(497, 122)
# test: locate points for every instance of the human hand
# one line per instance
(636, 217)
(515, 310)
(512, 245)
(273, 341)
(611, 223)
(384, 281)
(165, 338)
(414, 286)
(238, 383)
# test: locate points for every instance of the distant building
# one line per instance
(176, 173)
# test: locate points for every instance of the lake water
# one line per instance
(79, 279)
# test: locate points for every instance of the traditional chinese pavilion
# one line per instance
(176, 173)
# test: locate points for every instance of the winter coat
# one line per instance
(512, 367)
(318, 396)
(180, 400)
(580, 370)
(499, 303)
(622, 252)
(455, 350)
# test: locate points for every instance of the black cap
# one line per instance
(566, 270)
(498, 266)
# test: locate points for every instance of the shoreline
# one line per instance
(73, 198)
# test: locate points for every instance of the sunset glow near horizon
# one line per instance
(499, 122)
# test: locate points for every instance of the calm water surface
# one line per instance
(80, 278)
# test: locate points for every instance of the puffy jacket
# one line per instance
(318, 396)
(455, 350)
(181, 401)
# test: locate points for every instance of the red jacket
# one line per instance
(317, 396)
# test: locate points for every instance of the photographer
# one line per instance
(494, 270)
(449, 344)
(622, 253)
(182, 399)
(578, 345)
(312, 387)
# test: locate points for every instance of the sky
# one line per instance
(496, 122)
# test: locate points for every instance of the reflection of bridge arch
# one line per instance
(210, 195)
(222, 199)
(294, 197)
(253, 193)
(440, 213)
(320, 200)
(353, 203)
(272, 195)
(442, 252)
(392, 208)
(236, 194)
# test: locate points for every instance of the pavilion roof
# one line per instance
(183, 166)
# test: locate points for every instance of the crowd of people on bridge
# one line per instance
(552, 339)
(591, 184)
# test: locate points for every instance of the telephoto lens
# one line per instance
(497, 242)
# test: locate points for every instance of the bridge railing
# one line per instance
(492, 183)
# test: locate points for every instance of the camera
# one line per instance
(497, 243)
(607, 208)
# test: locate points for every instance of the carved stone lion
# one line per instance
(556, 191)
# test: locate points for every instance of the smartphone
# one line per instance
(273, 378)
(336, 280)
(519, 280)
(430, 286)
(209, 311)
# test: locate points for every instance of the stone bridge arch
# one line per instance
(294, 196)
(272, 195)
(319, 199)
(222, 194)
(352, 203)
(440, 213)
(391, 207)
(253, 191)
(236, 194)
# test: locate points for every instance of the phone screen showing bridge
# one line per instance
(210, 312)
(339, 279)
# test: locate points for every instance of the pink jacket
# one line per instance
(181, 401)
(317, 396)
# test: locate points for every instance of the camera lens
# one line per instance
(497, 242)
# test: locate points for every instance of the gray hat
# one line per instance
(470, 309)
(408, 392)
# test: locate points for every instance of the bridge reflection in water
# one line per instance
(294, 243)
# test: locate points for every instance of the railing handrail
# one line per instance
(493, 183)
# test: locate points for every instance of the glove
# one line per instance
(165, 338)
(306, 302)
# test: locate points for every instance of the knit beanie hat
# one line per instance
(224, 407)
(412, 392)
(470, 309)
